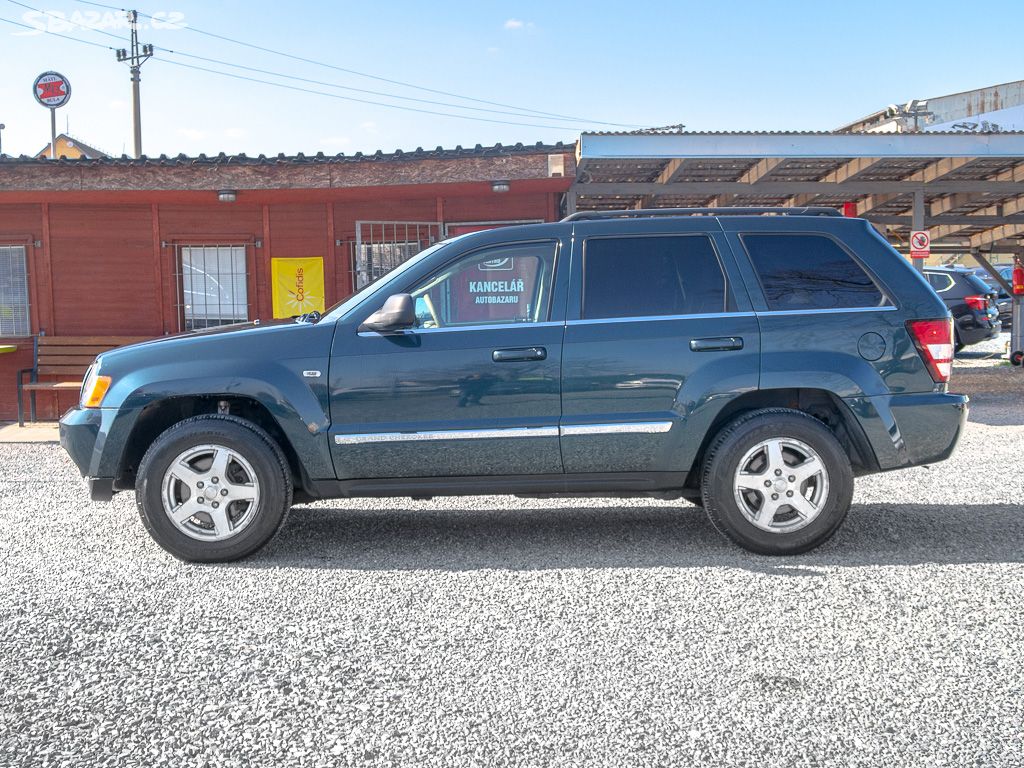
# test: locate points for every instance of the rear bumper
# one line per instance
(912, 429)
(973, 330)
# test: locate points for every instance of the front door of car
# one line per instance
(473, 388)
(660, 337)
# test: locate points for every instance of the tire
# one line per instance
(746, 444)
(1016, 358)
(256, 489)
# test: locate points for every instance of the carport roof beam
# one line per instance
(618, 146)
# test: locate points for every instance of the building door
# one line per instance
(660, 337)
(473, 388)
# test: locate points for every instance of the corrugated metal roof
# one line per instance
(497, 150)
(656, 132)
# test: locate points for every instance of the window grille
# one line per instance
(212, 284)
(14, 316)
(383, 245)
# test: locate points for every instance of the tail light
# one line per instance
(934, 342)
(979, 302)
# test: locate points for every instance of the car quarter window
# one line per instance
(939, 281)
(807, 271)
(506, 284)
(652, 276)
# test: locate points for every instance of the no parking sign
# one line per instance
(920, 244)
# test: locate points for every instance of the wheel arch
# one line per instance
(160, 415)
(823, 405)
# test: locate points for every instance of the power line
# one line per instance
(343, 87)
(273, 73)
(58, 34)
(305, 60)
(297, 88)
(295, 77)
(66, 20)
(360, 101)
(270, 72)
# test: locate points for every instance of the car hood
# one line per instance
(218, 346)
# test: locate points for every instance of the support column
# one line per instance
(917, 222)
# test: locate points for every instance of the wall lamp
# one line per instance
(227, 195)
(500, 186)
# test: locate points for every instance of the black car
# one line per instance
(970, 300)
(754, 364)
(1004, 301)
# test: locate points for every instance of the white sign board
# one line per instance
(52, 90)
(920, 244)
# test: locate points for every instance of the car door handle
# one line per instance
(519, 354)
(719, 344)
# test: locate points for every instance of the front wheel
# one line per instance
(777, 482)
(213, 489)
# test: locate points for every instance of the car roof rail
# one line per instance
(644, 213)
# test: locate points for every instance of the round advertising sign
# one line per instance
(52, 90)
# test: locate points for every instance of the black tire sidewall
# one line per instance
(248, 440)
(733, 444)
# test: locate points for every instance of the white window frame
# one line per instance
(231, 312)
(14, 269)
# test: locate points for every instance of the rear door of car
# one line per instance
(827, 321)
(660, 336)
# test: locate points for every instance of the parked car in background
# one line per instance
(1004, 302)
(970, 300)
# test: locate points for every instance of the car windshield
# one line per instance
(346, 305)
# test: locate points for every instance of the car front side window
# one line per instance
(499, 285)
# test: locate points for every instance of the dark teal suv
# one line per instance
(751, 361)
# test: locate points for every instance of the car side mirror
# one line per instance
(398, 313)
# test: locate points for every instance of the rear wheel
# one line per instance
(777, 482)
(213, 489)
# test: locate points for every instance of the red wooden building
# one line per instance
(156, 246)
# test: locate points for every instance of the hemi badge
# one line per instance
(311, 374)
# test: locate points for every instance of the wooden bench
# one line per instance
(66, 357)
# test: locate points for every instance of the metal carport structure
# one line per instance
(966, 188)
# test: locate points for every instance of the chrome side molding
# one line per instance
(446, 434)
(622, 428)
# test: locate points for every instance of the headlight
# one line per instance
(94, 388)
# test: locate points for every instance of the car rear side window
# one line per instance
(810, 272)
(940, 281)
(652, 276)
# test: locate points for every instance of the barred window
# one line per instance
(212, 285)
(14, 319)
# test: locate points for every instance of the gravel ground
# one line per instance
(496, 631)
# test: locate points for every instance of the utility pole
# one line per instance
(2, 126)
(135, 56)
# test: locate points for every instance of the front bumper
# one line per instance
(911, 429)
(84, 434)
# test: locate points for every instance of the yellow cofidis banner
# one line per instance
(298, 286)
